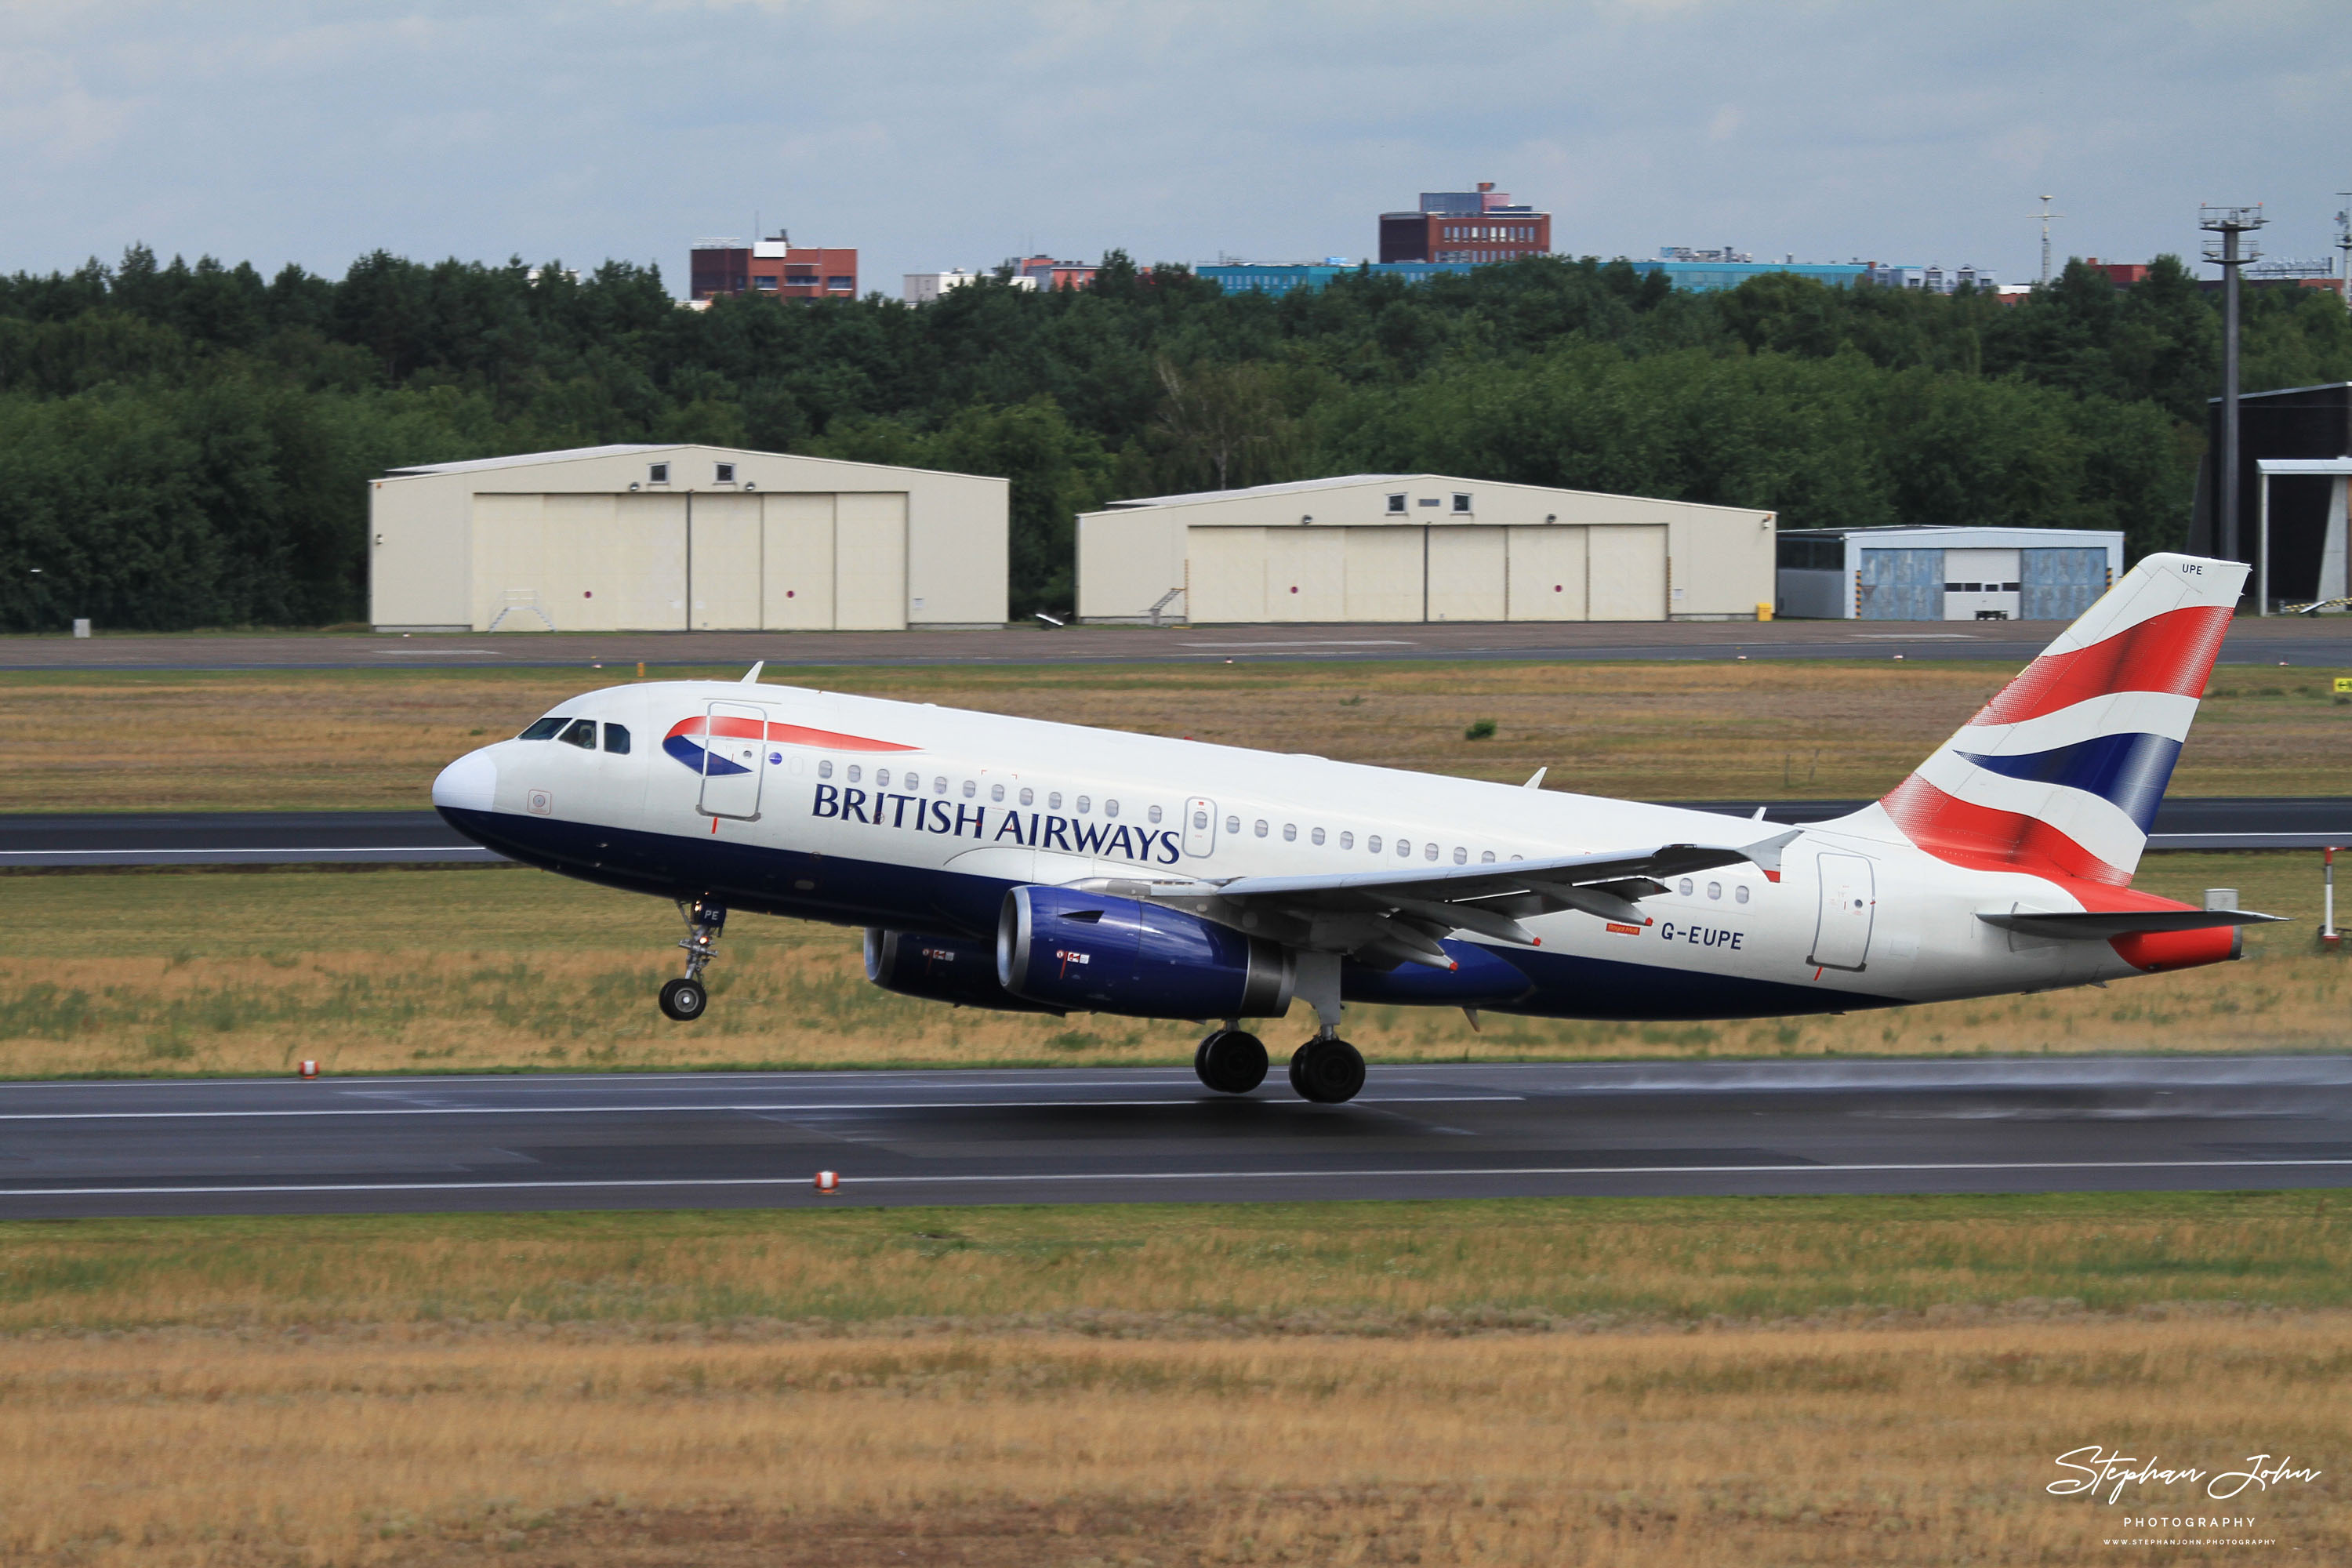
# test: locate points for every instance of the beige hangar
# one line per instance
(683, 537)
(1421, 547)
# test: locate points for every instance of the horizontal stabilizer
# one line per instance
(2098, 925)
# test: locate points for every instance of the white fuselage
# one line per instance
(828, 827)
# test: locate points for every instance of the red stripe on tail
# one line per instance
(1985, 839)
(2171, 652)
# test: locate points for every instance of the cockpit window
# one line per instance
(583, 733)
(616, 738)
(544, 730)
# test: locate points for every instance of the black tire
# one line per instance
(684, 1000)
(1328, 1072)
(1232, 1062)
(1201, 1058)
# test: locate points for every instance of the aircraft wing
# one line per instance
(1402, 914)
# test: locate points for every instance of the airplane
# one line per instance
(1008, 863)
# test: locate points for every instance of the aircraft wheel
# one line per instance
(1328, 1072)
(684, 1000)
(1201, 1057)
(1232, 1061)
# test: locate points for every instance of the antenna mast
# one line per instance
(2046, 214)
(2230, 223)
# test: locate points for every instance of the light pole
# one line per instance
(2229, 223)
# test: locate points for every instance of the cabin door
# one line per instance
(734, 736)
(1200, 826)
(1849, 901)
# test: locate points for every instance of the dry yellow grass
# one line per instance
(1763, 731)
(490, 968)
(1904, 1446)
(1673, 1381)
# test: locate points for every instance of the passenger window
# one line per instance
(996, 792)
(583, 733)
(1054, 801)
(1233, 825)
(1346, 841)
(970, 789)
(882, 777)
(1741, 894)
(1290, 833)
(544, 730)
(1715, 890)
(914, 783)
(1488, 859)
(1685, 888)
(854, 771)
(940, 785)
(824, 768)
(1028, 798)
(1405, 847)
(1110, 809)
(616, 739)
(1429, 851)
(1085, 805)
(1201, 820)
(1317, 836)
(1153, 814)
(1461, 855)
(1372, 845)
(1261, 827)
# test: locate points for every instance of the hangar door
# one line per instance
(1456, 572)
(579, 562)
(718, 561)
(834, 562)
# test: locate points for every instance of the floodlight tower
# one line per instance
(2229, 223)
(2344, 248)
(2046, 215)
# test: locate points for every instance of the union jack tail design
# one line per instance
(2061, 773)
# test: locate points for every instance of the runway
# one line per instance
(2313, 642)
(752, 1139)
(89, 839)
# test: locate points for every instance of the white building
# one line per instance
(1421, 547)
(1945, 574)
(683, 538)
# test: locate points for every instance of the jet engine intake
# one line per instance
(939, 968)
(1091, 953)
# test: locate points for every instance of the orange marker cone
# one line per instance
(309, 1068)
(828, 1182)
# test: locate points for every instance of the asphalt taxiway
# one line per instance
(403, 1144)
(90, 839)
(2315, 642)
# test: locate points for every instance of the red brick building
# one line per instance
(775, 266)
(1466, 225)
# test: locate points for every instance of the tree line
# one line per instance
(185, 444)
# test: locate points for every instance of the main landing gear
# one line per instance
(1231, 1060)
(685, 1000)
(1326, 1071)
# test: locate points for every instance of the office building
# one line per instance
(1470, 226)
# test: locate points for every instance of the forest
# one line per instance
(187, 445)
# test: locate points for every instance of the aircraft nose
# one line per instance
(469, 784)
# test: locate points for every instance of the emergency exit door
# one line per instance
(1200, 826)
(734, 736)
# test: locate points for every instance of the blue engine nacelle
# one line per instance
(1087, 952)
(939, 968)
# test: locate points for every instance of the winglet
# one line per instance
(1766, 852)
(1536, 781)
(751, 676)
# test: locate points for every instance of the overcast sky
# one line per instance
(931, 135)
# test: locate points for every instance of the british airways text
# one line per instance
(1031, 829)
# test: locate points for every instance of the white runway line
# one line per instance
(641, 1183)
(748, 1108)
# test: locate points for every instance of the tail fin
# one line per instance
(2061, 773)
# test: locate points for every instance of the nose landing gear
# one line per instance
(1231, 1060)
(685, 1000)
